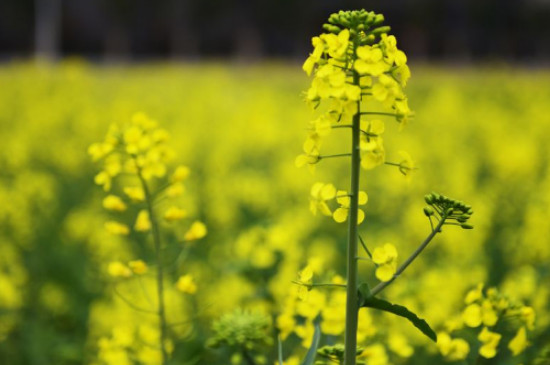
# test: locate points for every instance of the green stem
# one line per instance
(352, 308)
(321, 157)
(160, 275)
(381, 286)
(379, 113)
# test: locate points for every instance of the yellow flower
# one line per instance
(118, 270)
(117, 228)
(175, 190)
(174, 214)
(135, 193)
(399, 344)
(385, 258)
(341, 214)
(113, 202)
(285, 324)
(406, 165)
(186, 284)
(319, 195)
(143, 223)
(490, 342)
(528, 316)
(474, 294)
(103, 179)
(370, 61)
(474, 314)
(181, 173)
(138, 267)
(375, 355)
(454, 349)
(197, 231)
(337, 44)
(519, 342)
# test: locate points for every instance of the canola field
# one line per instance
(479, 135)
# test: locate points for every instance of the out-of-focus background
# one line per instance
(225, 79)
(454, 31)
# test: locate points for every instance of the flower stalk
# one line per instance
(161, 310)
(352, 307)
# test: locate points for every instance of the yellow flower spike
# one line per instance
(197, 231)
(519, 342)
(173, 214)
(490, 342)
(117, 228)
(180, 174)
(186, 284)
(138, 267)
(135, 193)
(117, 269)
(143, 223)
(113, 202)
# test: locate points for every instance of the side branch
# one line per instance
(381, 286)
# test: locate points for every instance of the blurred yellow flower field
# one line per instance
(479, 134)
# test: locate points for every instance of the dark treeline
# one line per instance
(461, 30)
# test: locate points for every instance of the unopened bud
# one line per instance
(467, 226)
(381, 30)
(378, 19)
(428, 211)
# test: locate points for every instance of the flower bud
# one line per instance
(378, 19)
(466, 226)
(429, 199)
(428, 211)
(381, 30)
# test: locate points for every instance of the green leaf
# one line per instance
(399, 310)
(310, 356)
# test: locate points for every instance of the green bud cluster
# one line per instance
(363, 25)
(242, 329)
(335, 352)
(448, 209)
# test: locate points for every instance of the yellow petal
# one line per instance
(340, 215)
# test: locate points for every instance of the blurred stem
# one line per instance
(352, 310)
(158, 256)
(248, 358)
(381, 286)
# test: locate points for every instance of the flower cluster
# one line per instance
(496, 315)
(355, 62)
(453, 211)
(137, 155)
(322, 193)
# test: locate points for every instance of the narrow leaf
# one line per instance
(401, 311)
(310, 356)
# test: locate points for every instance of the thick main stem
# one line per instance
(352, 305)
(160, 274)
